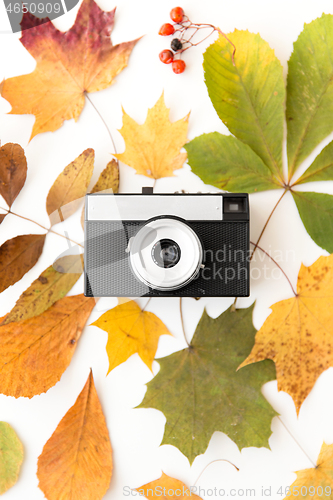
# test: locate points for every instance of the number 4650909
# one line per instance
(304, 491)
(33, 8)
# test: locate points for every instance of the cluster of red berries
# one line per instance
(168, 56)
(184, 31)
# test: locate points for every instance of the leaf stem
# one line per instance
(49, 230)
(182, 320)
(213, 462)
(298, 444)
(277, 264)
(105, 124)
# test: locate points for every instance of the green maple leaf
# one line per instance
(199, 390)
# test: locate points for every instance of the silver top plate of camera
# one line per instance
(144, 207)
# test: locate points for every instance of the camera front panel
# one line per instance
(108, 272)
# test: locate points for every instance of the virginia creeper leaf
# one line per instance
(108, 182)
(69, 64)
(322, 167)
(316, 212)
(131, 330)
(76, 462)
(11, 457)
(13, 171)
(248, 96)
(35, 352)
(153, 148)
(310, 90)
(168, 485)
(229, 164)
(17, 256)
(200, 392)
(316, 482)
(70, 186)
(296, 335)
(46, 290)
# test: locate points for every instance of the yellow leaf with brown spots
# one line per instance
(297, 335)
(153, 148)
(316, 483)
(131, 330)
(167, 488)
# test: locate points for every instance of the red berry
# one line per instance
(177, 15)
(178, 66)
(166, 30)
(166, 56)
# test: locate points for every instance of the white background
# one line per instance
(136, 434)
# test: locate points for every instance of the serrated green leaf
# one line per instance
(310, 90)
(227, 163)
(321, 169)
(11, 457)
(316, 212)
(200, 392)
(53, 284)
(248, 96)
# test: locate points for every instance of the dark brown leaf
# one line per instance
(13, 172)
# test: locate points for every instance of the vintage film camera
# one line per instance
(162, 245)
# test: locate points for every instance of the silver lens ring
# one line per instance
(146, 268)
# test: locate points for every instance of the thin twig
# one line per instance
(213, 462)
(105, 124)
(49, 230)
(277, 264)
(146, 305)
(298, 444)
(182, 321)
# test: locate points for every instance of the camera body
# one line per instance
(166, 245)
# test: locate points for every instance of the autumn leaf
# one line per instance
(131, 330)
(51, 286)
(316, 482)
(153, 148)
(108, 182)
(13, 172)
(17, 256)
(35, 352)
(296, 335)
(11, 457)
(2, 216)
(69, 64)
(70, 186)
(76, 461)
(199, 390)
(173, 489)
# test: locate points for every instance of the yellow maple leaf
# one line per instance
(131, 330)
(153, 148)
(167, 488)
(297, 335)
(315, 483)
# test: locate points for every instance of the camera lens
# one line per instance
(166, 253)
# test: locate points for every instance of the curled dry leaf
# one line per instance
(13, 172)
(108, 182)
(17, 256)
(296, 335)
(35, 352)
(11, 457)
(52, 285)
(69, 188)
(69, 64)
(153, 148)
(76, 461)
(316, 482)
(131, 330)
(167, 488)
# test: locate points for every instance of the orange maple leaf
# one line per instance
(69, 65)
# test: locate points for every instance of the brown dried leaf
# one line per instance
(35, 352)
(53, 284)
(69, 188)
(76, 462)
(2, 216)
(13, 172)
(18, 256)
(108, 182)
